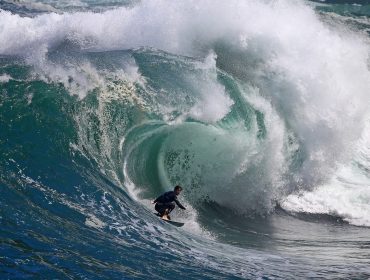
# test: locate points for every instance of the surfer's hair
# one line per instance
(178, 188)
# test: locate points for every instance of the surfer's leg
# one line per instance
(166, 210)
(170, 206)
(161, 209)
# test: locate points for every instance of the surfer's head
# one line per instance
(177, 190)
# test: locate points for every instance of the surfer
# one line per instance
(164, 203)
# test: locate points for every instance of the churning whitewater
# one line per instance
(259, 109)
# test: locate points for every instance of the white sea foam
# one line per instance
(214, 103)
(348, 200)
(346, 195)
(5, 78)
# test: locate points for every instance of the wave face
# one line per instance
(259, 109)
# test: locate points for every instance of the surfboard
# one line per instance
(174, 223)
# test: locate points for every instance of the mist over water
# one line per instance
(259, 109)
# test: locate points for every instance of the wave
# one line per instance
(259, 109)
(243, 110)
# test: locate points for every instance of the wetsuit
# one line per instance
(165, 201)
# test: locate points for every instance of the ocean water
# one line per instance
(260, 109)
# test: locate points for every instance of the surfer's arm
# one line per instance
(179, 204)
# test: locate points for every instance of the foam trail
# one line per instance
(348, 200)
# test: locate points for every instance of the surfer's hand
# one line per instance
(153, 202)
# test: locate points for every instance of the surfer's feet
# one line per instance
(166, 217)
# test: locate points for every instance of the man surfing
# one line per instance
(164, 203)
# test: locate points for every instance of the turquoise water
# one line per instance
(259, 109)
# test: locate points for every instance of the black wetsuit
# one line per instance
(165, 201)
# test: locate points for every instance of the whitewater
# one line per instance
(259, 109)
